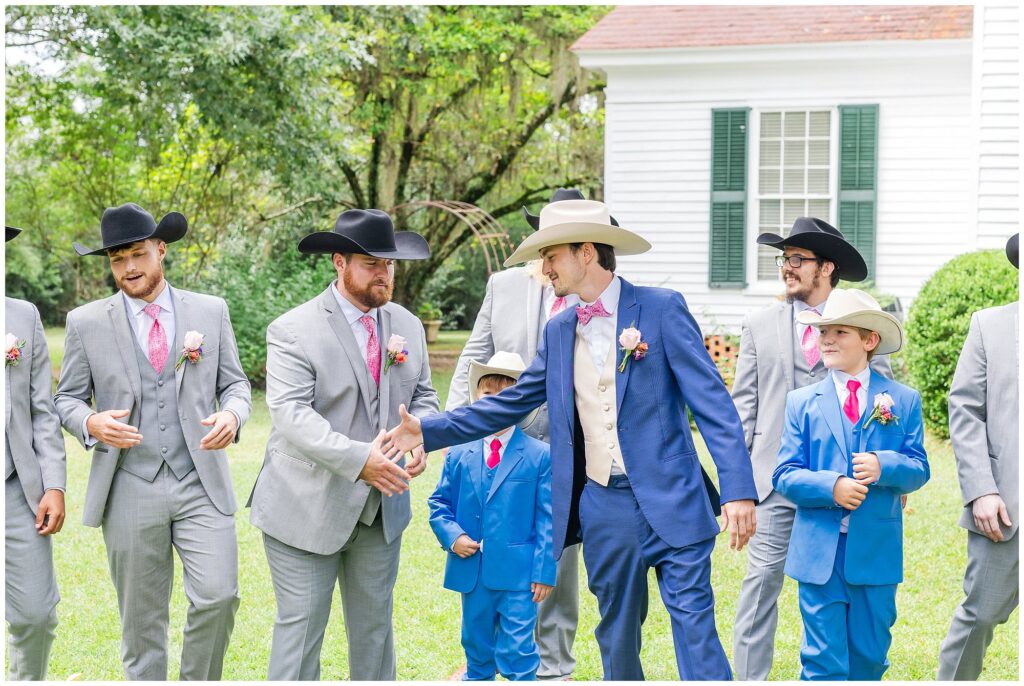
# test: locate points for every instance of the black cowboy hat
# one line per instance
(367, 232)
(11, 232)
(558, 196)
(129, 224)
(824, 240)
(1011, 250)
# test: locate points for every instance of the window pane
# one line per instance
(819, 208)
(793, 181)
(770, 212)
(771, 125)
(818, 152)
(771, 154)
(795, 154)
(821, 124)
(795, 124)
(817, 181)
(769, 182)
(791, 209)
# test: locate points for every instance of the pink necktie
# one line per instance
(157, 351)
(852, 407)
(372, 347)
(557, 306)
(585, 312)
(494, 458)
(809, 344)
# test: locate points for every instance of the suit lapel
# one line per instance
(786, 333)
(535, 317)
(336, 320)
(828, 403)
(7, 403)
(182, 320)
(877, 384)
(629, 314)
(475, 465)
(385, 379)
(125, 339)
(513, 455)
(567, 355)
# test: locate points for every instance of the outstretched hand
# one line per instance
(404, 437)
(382, 473)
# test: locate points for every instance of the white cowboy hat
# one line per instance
(576, 221)
(856, 308)
(506, 364)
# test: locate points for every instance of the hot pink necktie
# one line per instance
(495, 457)
(157, 351)
(372, 347)
(809, 344)
(852, 407)
(557, 306)
(585, 312)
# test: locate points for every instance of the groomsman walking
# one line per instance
(143, 375)
(984, 419)
(778, 355)
(35, 477)
(517, 305)
(338, 367)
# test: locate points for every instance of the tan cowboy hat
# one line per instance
(506, 364)
(856, 308)
(576, 221)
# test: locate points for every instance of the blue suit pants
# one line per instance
(847, 627)
(497, 634)
(619, 547)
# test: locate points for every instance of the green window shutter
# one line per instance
(727, 266)
(858, 178)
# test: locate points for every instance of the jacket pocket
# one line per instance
(297, 460)
(680, 455)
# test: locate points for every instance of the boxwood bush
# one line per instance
(939, 318)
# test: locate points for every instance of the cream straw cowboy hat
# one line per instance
(506, 364)
(856, 308)
(576, 221)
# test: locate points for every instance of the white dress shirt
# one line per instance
(503, 439)
(839, 379)
(352, 316)
(599, 333)
(800, 306)
(141, 322)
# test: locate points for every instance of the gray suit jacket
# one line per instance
(511, 319)
(983, 413)
(765, 373)
(100, 365)
(31, 422)
(308, 493)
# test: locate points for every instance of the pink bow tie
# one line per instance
(586, 312)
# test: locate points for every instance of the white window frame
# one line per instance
(755, 284)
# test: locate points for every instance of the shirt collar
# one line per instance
(503, 439)
(163, 300)
(351, 312)
(610, 297)
(800, 306)
(840, 378)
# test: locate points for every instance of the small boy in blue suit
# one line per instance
(846, 462)
(492, 512)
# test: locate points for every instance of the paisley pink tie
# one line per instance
(372, 347)
(809, 344)
(557, 306)
(852, 406)
(157, 339)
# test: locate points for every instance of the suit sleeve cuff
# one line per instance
(89, 440)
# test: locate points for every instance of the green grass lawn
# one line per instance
(427, 616)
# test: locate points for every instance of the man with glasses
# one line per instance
(814, 257)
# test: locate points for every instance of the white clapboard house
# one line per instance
(898, 124)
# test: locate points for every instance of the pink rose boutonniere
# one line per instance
(883, 410)
(631, 346)
(191, 349)
(14, 347)
(397, 352)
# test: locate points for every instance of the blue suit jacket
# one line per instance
(652, 396)
(813, 456)
(513, 518)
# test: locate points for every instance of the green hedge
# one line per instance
(939, 318)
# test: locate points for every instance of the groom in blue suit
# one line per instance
(619, 373)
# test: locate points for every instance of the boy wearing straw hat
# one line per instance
(619, 372)
(497, 491)
(853, 444)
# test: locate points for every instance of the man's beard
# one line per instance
(144, 287)
(369, 296)
(803, 292)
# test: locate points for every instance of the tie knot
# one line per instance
(853, 385)
(152, 309)
(495, 445)
(368, 323)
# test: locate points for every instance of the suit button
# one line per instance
(160, 382)
(161, 404)
(601, 388)
(163, 450)
(608, 426)
(611, 446)
(540, 437)
(163, 427)
(606, 408)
